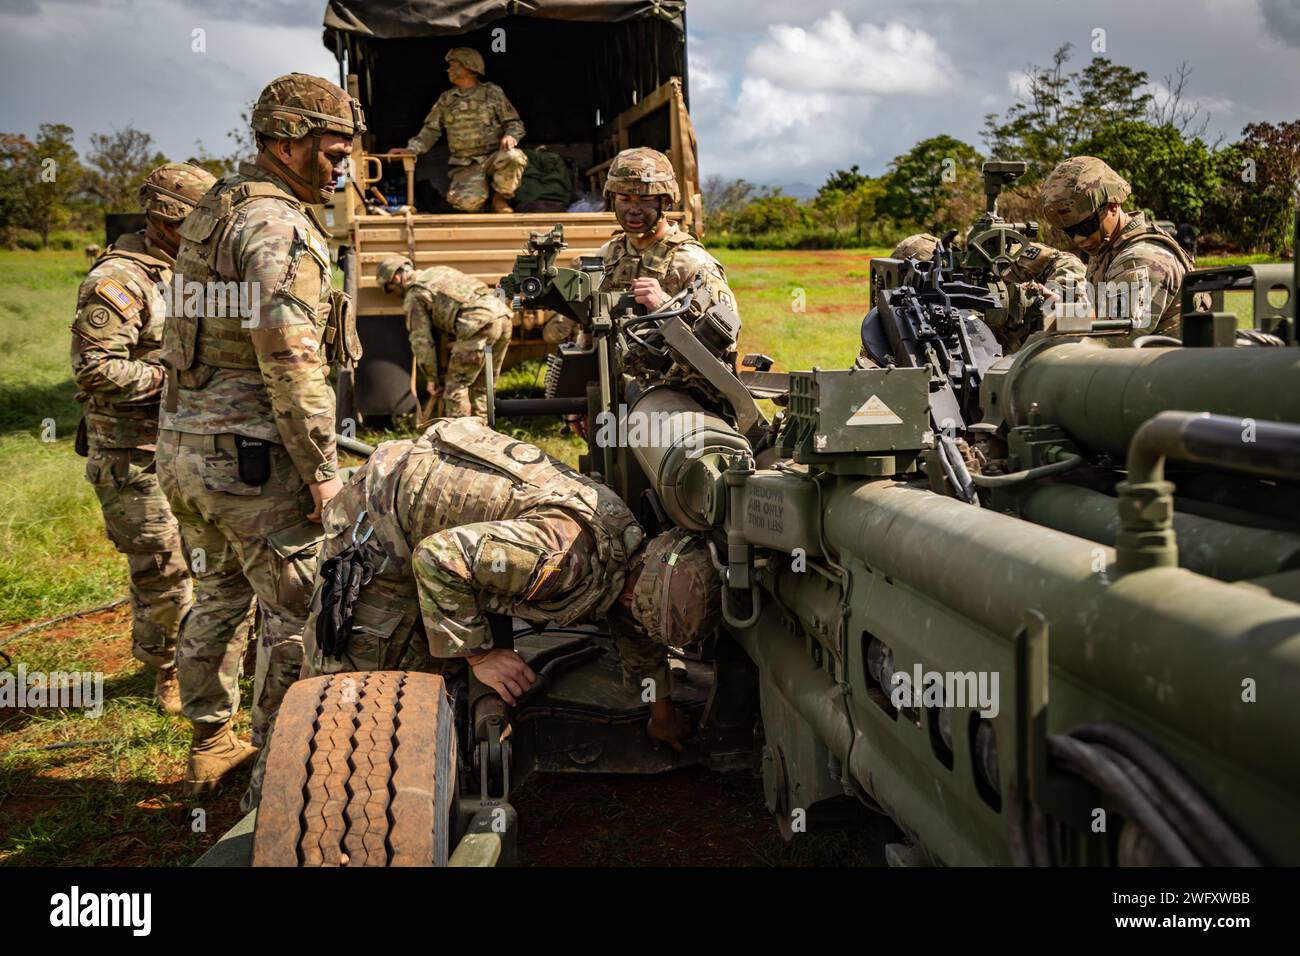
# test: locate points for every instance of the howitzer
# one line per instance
(1097, 665)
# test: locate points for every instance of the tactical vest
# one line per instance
(195, 345)
(623, 265)
(461, 472)
(156, 268)
(451, 291)
(470, 123)
(1149, 233)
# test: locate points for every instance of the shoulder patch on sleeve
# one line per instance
(116, 295)
(1031, 252)
(98, 317)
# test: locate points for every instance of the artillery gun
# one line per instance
(1085, 650)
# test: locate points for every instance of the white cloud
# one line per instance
(834, 56)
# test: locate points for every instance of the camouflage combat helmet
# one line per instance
(642, 172)
(918, 246)
(467, 57)
(299, 104)
(389, 266)
(171, 191)
(1079, 187)
(678, 597)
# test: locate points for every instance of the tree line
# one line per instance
(1239, 196)
(50, 194)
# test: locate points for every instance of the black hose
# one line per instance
(1222, 844)
(41, 625)
(1107, 776)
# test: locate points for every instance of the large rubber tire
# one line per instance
(360, 771)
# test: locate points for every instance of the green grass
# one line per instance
(801, 308)
(48, 512)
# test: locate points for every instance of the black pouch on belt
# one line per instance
(342, 576)
(254, 460)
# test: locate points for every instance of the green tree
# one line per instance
(1259, 176)
(53, 179)
(774, 212)
(1173, 176)
(1059, 110)
(118, 163)
(17, 160)
(923, 179)
(724, 200)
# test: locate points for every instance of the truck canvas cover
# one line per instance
(385, 20)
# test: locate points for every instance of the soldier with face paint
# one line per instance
(653, 257)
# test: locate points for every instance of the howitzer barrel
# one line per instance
(678, 444)
(1219, 549)
(1101, 395)
(1172, 648)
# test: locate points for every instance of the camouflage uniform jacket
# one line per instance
(116, 338)
(420, 495)
(474, 120)
(675, 260)
(1146, 267)
(258, 366)
(1062, 273)
(444, 300)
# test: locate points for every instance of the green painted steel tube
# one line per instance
(1218, 549)
(1168, 643)
(1101, 395)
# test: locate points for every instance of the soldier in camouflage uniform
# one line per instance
(442, 300)
(465, 522)
(1135, 270)
(1041, 279)
(246, 454)
(116, 337)
(653, 257)
(483, 131)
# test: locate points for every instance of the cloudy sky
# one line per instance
(781, 92)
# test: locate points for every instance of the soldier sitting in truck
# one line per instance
(445, 301)
(483, 133)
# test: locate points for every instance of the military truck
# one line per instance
(588, 77)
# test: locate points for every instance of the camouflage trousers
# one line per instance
(465, 385)
(468, 190)
(140, 525)
(244, 541)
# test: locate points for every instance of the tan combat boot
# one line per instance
(501, 202)
(167, 691)
(216, 752)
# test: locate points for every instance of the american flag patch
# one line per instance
(112, 293)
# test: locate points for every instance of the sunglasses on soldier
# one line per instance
(1081, 230)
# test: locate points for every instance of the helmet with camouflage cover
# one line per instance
(1079, 187)
(642, 172)
(299, 104)
(172, 190)
(389, 266)
(678, 596)
(918, 246)
(467, 57)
